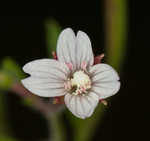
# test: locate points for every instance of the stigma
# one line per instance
(80, 83)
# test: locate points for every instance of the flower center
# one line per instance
(80, 83)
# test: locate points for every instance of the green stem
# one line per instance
(56, 127)
(116, 30)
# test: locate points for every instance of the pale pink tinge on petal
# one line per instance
(84, 49)
(66, 47)
(47, 68)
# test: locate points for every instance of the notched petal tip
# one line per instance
(81, 33)
(83, 37)
(85, 53)
(66, 31)
(43, 87)
(24, 68)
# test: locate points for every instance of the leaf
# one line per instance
(12, 68)
(10, 72)
(5, 81)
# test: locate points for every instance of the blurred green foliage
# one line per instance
(52, 29)
(10, 72)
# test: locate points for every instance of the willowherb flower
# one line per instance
(73, 75)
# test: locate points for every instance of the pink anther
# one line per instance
(83, 89)
(67, 85)
(69, 65)
(83, 65)
(78, 91)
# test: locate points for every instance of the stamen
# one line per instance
(84, 65)
(80, 83)
(67, 85)
(83, 89)
(69, 65)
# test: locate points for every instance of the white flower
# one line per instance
(73, 75)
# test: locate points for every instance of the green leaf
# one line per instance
(52, 29)
(5, 80)
(10, 72)
(12, 68)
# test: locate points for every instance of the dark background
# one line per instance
(23, 38)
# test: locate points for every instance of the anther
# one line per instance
(84, 65)
(69, 65)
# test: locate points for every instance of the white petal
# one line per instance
(103, 73)
(84, 49)
(47, 77)
(82, 106)
(104, 80)
(47, 68)
(66, 47)
(70, 103)
(106, 89)
(44, 87)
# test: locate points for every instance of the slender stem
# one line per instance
(47, 108)
(50, 110)
(116, 30)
